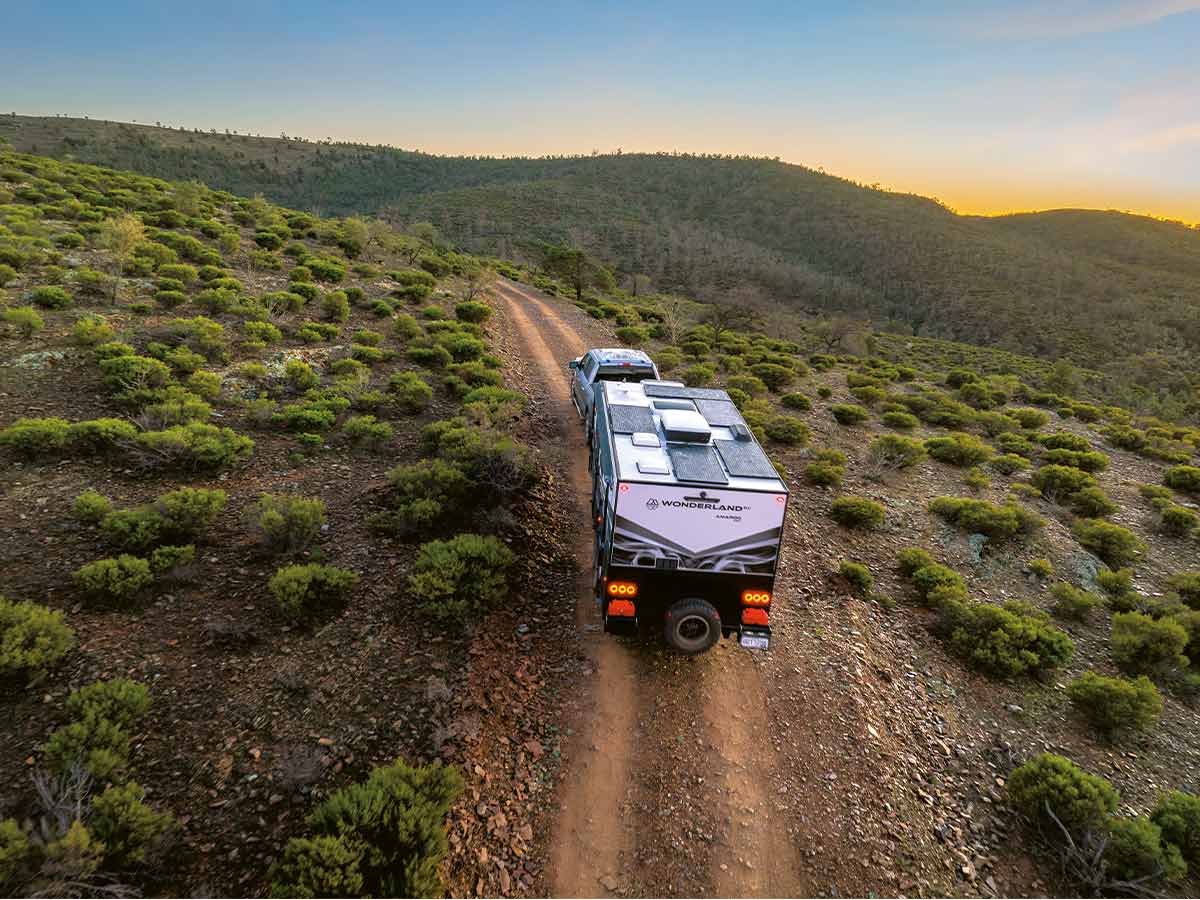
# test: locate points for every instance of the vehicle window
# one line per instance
(626, 375)
(590, 364)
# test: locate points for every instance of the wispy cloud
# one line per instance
(1042, 20)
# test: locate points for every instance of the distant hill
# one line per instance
(1105, 289)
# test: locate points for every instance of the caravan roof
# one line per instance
(665, 433)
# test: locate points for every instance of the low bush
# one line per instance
(126, 826)
(311, 592)
(25, 320)
(92, 330)
(91, 507)
(1115, 545)
(787, 430)
(461, 578)
(472, 311)
(33, 638)
(901, 420)
(1144, 644)
(698, 375)
(1115, 705)
(300, 375)
(1135, 853)
(895, 451)
(51, 297)
(1178, 520)
(367, 431)
(796, 401)
(118, 700)
(1042, 568)
(432, 357)
(1079, 800)
(1071, 602)
(1064, 440)
(910, 559)
(287, 523)
(749, 384)
(857, 575)
(857, 512)
(1178, 815)
(849, 413)
(1085, 460)
(824, 473)
(384, 837)
(413, 393)
(959, 449)
(495, 406)
(32, 438)
(1028, 417)
(113, 582)
(982, 517)
(1186, 586)
(1092, 503)
(97, 738)
(1183, 478)
(1006, 641)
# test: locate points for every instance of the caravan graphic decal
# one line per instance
(711, 531)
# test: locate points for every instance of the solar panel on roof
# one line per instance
(745, 459)
(684, 393)
(626, 419)
(697, 463)
(719, 412)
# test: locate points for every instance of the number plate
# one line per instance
(756, 641)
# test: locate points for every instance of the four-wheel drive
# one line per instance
(606, 365)
(688, 514)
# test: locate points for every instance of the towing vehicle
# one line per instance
(688, 514)
(612, 364)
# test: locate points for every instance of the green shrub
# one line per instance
(384, 837)
(901, 420)
(774, 376)
(196, 446)
(982, 517)
(367, 431)
(286, 523)
(1115, 583)
(33, 638)
(336, 306)
(15, 848)
(433, 357)
(1178, 815)
(51, 297)
(959, 449)
(824, 473)
(494, 406)
(895, 451)
(472, 311)
(787, 430)
(750, 384)
(1060, 482)
(119, 700)
(1183, 478)
(1178, 520)
(1086, 460)
(115, 582)
(698, 375)
(910, 559)
(167, 560)
(460, 579)
(91, 507)
(1143, 644)
(1065, 440)
(1081, 801)
(1114, 705)
(1136, 852)
(99, 745)
(849, 413)
(128, 828)
(7, 274)
(1071, 602)
(858, 576)
(262, 331)
(310, 592)
(1005, 641)
(1028, 417)
(24, 319)
(857, 512)
(300, 375)
(134, 529)
(1042, 568)
(35, 437)
(1014, 444)
(1092, 503)
(187, 512)
(1186, 586)
(413, 393)
(1115, 545)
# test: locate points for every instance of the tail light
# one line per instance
(622, 589)
(623, 608)
(756, 598)
(753, 616)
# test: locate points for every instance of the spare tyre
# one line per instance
(692, 626)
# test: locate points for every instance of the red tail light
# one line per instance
(754, 617)
(622, 589)
(756, 598)
(622, 608)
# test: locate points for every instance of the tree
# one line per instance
(1063, 378)
(725, 317)
(188, 196)
(579, 270)
(475, 278)
(675, 318)
(354, 236)
(837, 332)
(119, 235)
(638, 284)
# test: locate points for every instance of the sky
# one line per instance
(988, 106)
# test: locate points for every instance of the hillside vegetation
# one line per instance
(1104, 289)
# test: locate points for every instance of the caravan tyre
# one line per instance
(692, 626)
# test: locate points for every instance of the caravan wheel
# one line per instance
(692, 626)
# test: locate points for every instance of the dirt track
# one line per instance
(731, 774)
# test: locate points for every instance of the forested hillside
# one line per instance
(1105, 289)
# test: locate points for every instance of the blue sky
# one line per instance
(990, 106)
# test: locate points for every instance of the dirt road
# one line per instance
(729, 774)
